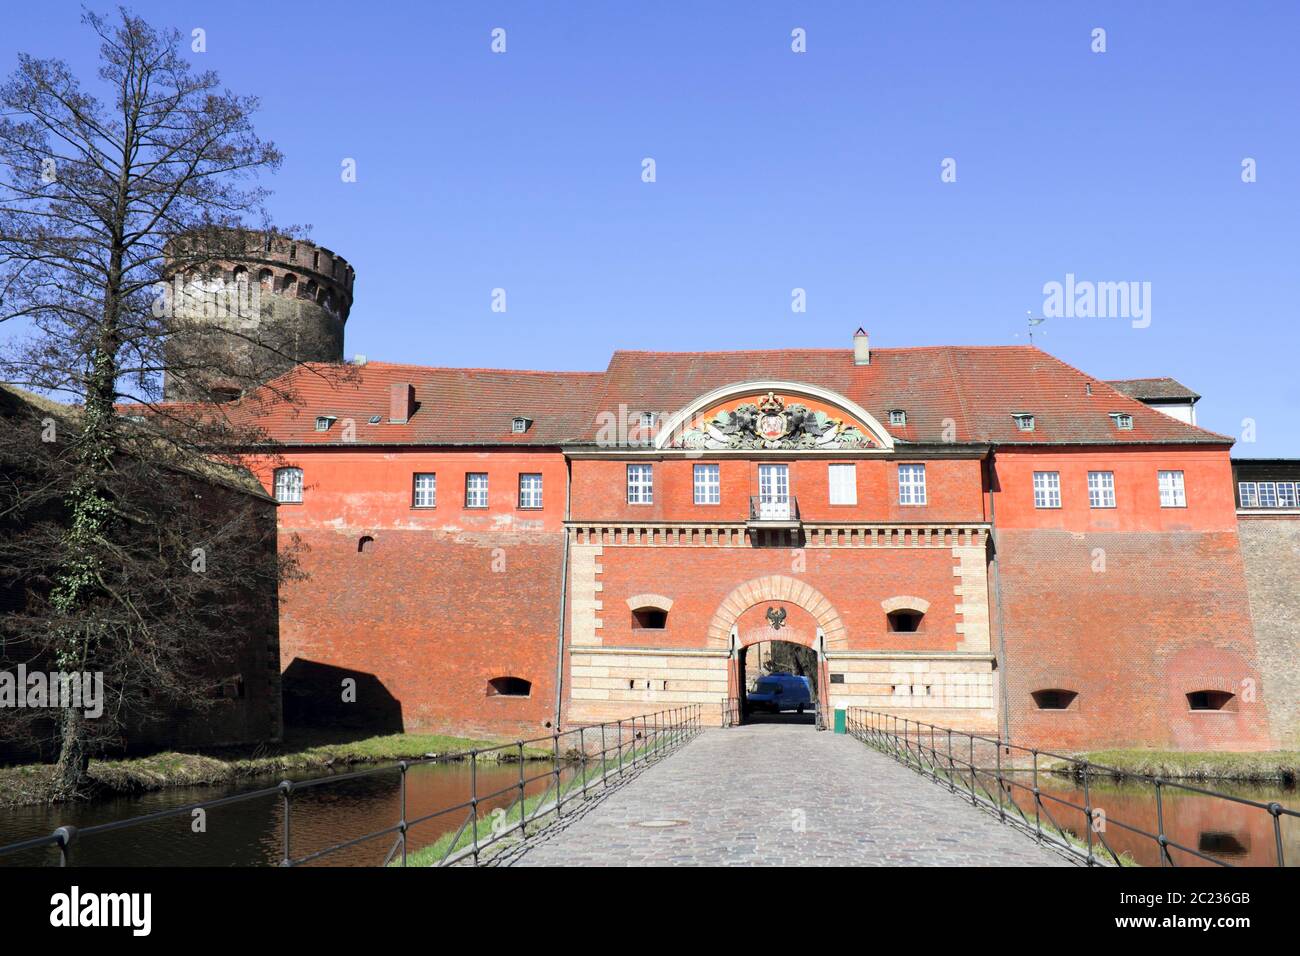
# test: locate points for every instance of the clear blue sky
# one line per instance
(777, 170)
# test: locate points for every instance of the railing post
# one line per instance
(286, 788)
(582, 748)
(65, 836)
(1087, 811)
(473, 800)
(523, 786)
(559, 796)
(1038, 800)
(1275, 809)
(604, 760)
(620, 748)
(1165, 859)
(952, 768)
(973, 801)
(401, 824)
(1002, 813)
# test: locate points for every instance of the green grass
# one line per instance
(302, 751)
(1271, 765)
(450, 843)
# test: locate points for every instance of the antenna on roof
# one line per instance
(1039, 320)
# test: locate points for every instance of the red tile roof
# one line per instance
(969, 391)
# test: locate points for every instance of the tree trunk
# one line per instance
(69, 780)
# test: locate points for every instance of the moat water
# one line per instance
(251, 833)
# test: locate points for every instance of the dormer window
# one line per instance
(647, 420)
(1122, 420)
(1024, 421)
(375, 419)
(897, 416)
(323, 422)
(519, 425)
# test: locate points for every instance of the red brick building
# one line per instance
(982, 537)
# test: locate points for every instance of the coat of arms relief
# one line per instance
(770, 423)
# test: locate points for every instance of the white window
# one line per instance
(1101, 489)
(708, 485)
(1267, 494)
(323, 423)
(647, 419)
(288, 485)
(1024, 421)
(911, 484)
(640, 484)
(530, 491)
(897, 416)
(1172, 494)
(1047, 489)
(1287, 494)
(426, 490)
(844, 483)
(519, 425)
(476, 490)
(1122, 420)
(1247, 493)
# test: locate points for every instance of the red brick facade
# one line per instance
(1131, 608)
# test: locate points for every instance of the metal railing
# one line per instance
(962, 761)
(591, 756)
(764, 509)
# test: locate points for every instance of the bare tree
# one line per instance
(102, 199)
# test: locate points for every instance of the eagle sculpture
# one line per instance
(776, 617)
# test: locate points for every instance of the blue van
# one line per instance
(778, 692)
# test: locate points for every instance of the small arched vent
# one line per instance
(905, 620)
(509, 687)
(365, 545)
(649, 619)
(1211, 700)
(1054, 698)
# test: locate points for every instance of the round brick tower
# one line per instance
(251, 316)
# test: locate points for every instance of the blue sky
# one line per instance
(778, 170)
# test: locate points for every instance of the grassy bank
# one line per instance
(301, 751)
(1279, 766)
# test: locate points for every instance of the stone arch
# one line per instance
(905, 602)
(777, 587)
(637, 601)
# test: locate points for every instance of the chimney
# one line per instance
(861, 349)
(401, 402)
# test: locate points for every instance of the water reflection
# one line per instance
(1227, 831)
(251, 833)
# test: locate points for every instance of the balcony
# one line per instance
(772, 512)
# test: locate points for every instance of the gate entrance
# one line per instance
(781, 683)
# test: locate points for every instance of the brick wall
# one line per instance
(422, 622)
(1132, 622)
(1270, 547)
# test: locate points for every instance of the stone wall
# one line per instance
(1270, 546)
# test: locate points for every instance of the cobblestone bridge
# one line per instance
(780, 795)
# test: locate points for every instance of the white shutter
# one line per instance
(843, 484)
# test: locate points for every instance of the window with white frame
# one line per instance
(647, 420)
(911, 484)
(640, 484)
(530, 491)
(843, 478)
(897, 416)
(1288, 493)
(426, 490)
(1101, 489)
(1047, 489)
(1267, 494)
(1172, 494)
(1024, 421)
(476, 489)
(288, 485)
(1123, 421)
(708, 485)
